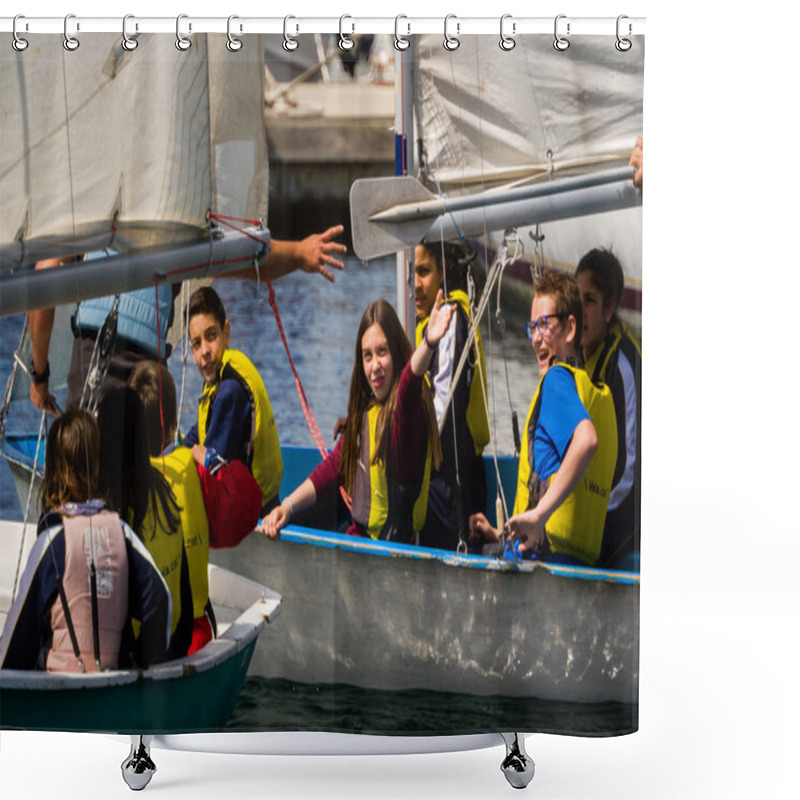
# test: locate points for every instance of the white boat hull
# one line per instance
(383, 616)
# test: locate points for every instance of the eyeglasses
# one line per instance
(540, 324)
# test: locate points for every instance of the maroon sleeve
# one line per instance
(232, 498)
(409, 434)
(326, 474)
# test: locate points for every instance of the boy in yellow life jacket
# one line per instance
(234, 417)
(204, 500)
(569, 448)
(458, 487)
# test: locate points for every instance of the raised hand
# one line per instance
(315, 252)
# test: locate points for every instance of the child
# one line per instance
(612, 355)
(390, 439)
(458, 487)
(87, 573)
(234, 417)
(218, 508)
(569, 445)
(141, 494)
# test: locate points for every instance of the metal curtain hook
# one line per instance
(128, 43)
(451, 42)
(289, 43)
(623, 45)
(182, 42)
(17, 42)
(345, 42)
(70, 42)
(561, 43)
(400, 42)
(233, 44)
(507, 42)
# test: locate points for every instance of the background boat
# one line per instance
(329, 120)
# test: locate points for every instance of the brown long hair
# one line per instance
(71, 473)
(361, 398)
(156, 389)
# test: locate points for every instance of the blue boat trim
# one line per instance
(311, 536)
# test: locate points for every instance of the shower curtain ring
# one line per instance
(233, 44)
(400, 42)
(345, 42)
(128, 42)
(182, 42)
(70, 42)
(507, 42)
(561, 43)
(451, 42)
(623, 45)
(289, 43)
(17, 42)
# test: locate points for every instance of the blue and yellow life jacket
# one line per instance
(263, 447)
(477, 419)
(181, 473)
(383, 507)
(602, 361)
(576, 527)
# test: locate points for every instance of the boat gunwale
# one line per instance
(237, 636)
(301, 535)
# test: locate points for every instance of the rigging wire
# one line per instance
(316, 435)
(25, 517)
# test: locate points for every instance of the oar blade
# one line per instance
(370, 196)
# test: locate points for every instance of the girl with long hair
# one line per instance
(390, 440)
(87, 574)
(141, 495)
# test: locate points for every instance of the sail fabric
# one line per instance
(488, 118)
(488, 115)
(155, 137)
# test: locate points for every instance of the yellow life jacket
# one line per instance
(477, 419)
(166, 550)
(263, 447)
(383, 509)
(181, 473)
(603, 357)
(576, 526)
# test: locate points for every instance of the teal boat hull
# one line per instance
(194, 694)
(198, 702)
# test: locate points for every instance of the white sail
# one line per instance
(486, 115)
(486, 118)
(155, 137)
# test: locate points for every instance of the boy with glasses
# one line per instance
(569, 447)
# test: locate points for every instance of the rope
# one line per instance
(312, 424)
(184, 354)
